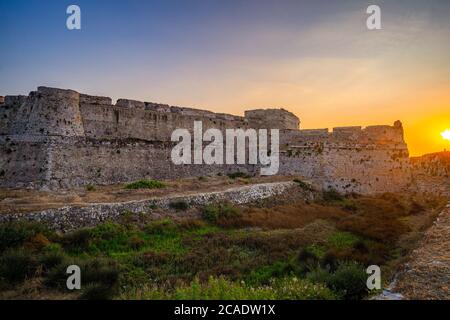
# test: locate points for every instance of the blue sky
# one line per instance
(315, 58)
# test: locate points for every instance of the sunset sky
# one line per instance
(314, 58)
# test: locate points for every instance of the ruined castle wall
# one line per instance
(83, 161)
(48, 112)
(349, 169)
(60, 139)
(122, 122)
(272, 119)
(366, 170)
(23, 161)
(7, 114)
(348, 159)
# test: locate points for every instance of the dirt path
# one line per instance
(22, 200)
(427, 274)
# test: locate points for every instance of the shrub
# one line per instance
(238, 174)
(56, 276)
(179, 205)
(360, 246)
(160, 227)
(332, 195)
(90, 187)
(342, 240)
(135, 242)
(329, 261)
(211, 212)
(264, 274)
(107, 231)
(145, 184)
(320, 275)
(16, 265)
(37, 242)
(14, 234)
(191, 224)
(303, 185)
(97, 292)
(307, 260)
(215, 212)
(78, 240)
(94, 272)
(318, 250)
(101, 271)
(51, 259)
(228, 211)
(348, 281)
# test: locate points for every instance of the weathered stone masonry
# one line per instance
(56, 138)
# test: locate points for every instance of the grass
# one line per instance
(285, 216)
(275, 250)
(341, 240)
(290, 288)
(145, 184)
(220, 213)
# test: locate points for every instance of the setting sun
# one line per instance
(446, 134)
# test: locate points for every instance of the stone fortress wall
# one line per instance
(56, 138)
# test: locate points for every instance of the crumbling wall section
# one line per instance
(349, 159)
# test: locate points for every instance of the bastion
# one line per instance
(61, 139)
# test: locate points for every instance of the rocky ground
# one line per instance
(427, 274)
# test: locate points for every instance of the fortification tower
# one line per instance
(272, 119)
(50, 112)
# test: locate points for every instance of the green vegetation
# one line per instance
(238, 174)
(145, 184)
(348, 281)
(289, 288)
(90, 187)
(303, 185)
(217, 212)
(332, 195)
(285, 250)
(342, 240)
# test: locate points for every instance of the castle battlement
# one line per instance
(59, 138)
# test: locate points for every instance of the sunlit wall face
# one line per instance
(315, 58)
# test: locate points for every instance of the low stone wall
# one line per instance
(70, 218)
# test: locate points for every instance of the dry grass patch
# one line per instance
(288, 216)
